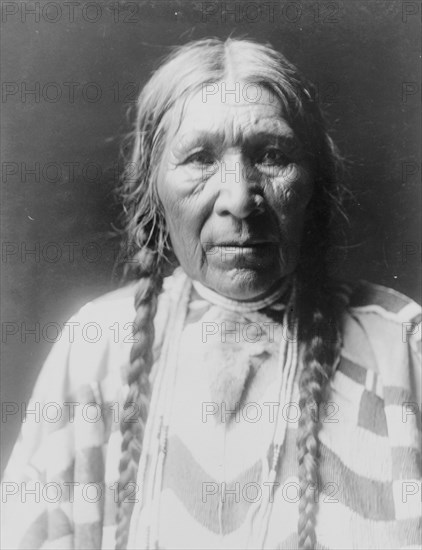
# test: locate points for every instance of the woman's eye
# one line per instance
(203, 158)
(273, 157)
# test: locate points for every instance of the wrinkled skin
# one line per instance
(234, 184)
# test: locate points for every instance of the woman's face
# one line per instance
(234, 185)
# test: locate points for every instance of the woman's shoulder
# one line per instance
(96, 342)
(118, 306)
(382, 339)
(366, 297)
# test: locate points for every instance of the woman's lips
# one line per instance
(241, 254)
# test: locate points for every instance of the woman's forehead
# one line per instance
(232, 112)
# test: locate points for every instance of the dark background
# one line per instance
(364, 57)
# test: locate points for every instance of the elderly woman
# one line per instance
(255, 403)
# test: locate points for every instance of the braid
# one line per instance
(141, 359)
(320, 310)
(321, 335)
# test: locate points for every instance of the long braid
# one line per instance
(133, 422)
(320, 311)
(320, 316)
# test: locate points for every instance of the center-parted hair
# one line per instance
(181, 75)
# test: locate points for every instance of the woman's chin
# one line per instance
(244, 284)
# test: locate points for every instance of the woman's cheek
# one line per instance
(293, 189)
(184, 215)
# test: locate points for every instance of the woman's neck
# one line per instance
(239, 305)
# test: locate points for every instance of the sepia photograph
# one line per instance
(211, 274)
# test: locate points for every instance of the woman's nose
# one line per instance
(239, 193)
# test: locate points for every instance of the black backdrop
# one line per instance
(85, 62)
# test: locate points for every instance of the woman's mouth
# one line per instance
(241, 254)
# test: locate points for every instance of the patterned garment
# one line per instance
(60, 487)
